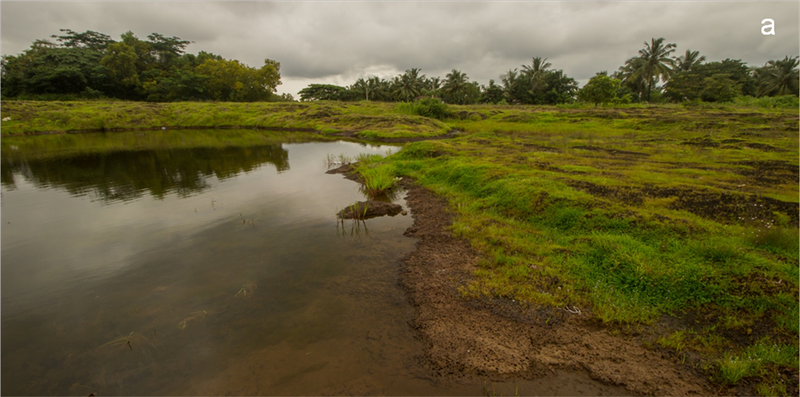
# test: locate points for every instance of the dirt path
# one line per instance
(468, 340)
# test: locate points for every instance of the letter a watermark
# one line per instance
(769, 28)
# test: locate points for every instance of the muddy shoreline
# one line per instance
(467, 340)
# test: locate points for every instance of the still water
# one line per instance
(200, 271)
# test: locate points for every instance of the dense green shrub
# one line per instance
(426, 107)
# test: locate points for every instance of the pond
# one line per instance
(203, 263)
(196, 270)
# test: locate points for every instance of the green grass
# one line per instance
(22, 148)
(754, 359)
(675, 341)
(378, 178)
(630, 214)
(363, 119)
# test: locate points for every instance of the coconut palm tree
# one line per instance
(778, 77)
(632, 76)
(410, 84)
(657, 63)
(509, 80)
(453, 89)
(535, 73)
(511, 86)
(685, 62)
(361, 85)
(431, 86)
(434, 83)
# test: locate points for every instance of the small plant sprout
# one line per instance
(185, 321)
(344, 159)
(246, 290)
(126, 341)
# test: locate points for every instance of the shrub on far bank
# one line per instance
(426, 107)
(777, 102)
(770, 102)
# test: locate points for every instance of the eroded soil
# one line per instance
(503, 340)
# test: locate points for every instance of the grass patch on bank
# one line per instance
(630, 215)
(378, 178)
(22, 148)
(363, 119)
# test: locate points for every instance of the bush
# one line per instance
(426, 107)
(775, 102)
(624, 100)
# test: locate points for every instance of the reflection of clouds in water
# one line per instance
(55, 238)
(175, 291)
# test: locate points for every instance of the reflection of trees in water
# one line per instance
(127, 175)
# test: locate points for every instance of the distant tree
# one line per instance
(455, 90)
(230, 80)
(491, 93)
(656, 62)
(384, 91)
(120, 60)
(514, 88)
(91, 64)
(322, 92)
(560, 88)
(535, 75)
(48, 69)
(410, 84)
(431, 87)
(632, 76)
(286, 97)
(366, 87)
(88, 39)
(711, 82)
(778, 77)
(269, 75)
(690, 59)
(166, 49)
(537, 85)
(719, 88)
(599, 89)
(361, 87)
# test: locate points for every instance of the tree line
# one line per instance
(532, 84)
(654, 75)
(92, 65)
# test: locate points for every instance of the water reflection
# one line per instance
(197, 268)
(127, 175)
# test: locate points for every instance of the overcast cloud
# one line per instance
(338, 42)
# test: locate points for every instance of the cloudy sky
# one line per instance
(338, 42)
